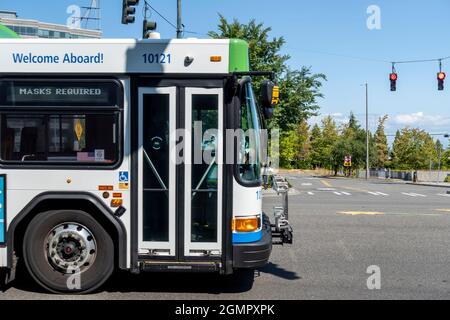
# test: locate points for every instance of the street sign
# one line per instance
(348, 161)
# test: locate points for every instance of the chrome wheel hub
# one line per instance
(71, 248)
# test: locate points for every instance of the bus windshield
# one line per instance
(250, 162)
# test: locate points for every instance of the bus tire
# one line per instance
(68, 251)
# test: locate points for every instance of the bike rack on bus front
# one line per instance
(281, 229)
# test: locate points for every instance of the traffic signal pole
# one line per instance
(179, 21)
(367, 131)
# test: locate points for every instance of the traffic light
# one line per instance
(147, 28)
(441, 77)
(128, 11)
(393, 77)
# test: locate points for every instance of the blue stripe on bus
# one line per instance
(246, 237)
(2, 231)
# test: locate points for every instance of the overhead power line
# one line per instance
(147, 4)
(371, 59)
(421, 61)
(161, 15)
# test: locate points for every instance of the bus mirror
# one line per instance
(270, 94)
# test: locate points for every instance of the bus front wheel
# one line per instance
(68, 251)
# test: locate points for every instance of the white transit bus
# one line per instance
(89, 177)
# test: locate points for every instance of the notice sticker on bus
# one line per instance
(123, 185)
(123, 176)
(99, 155)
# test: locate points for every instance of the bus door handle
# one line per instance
(24, 158)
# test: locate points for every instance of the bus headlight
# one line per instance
(246, 224)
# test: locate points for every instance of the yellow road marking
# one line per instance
(443, 210)
(326, 183)
(358, 213)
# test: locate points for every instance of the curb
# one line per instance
(428, 185)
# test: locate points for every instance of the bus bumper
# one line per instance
(253, 254)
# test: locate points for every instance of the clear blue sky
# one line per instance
(322, 34)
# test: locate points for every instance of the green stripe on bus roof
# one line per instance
(5, 32)
(239, 60)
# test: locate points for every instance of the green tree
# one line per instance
(381, 145)
(446, 159)
(316, 147)
(299, 89)
(352, 122)
(303, 145)
(413, 149)
(288, 144)
(329, 138)
(264, 52)
(352, 142)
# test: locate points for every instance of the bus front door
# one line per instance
(180, 172)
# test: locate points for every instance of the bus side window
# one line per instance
(28, 142)
(60, 138)
(8, 143)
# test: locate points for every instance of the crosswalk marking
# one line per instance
(378, 193)
(374, 193)
(342, 193)
(443, 195)
(407, 194)
(412, 194)
(419, 195)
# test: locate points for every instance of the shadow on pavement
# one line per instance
(181, 282)
(239, 282)
(274, 269)
(121, 281)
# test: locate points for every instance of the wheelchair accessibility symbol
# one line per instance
(123, 176)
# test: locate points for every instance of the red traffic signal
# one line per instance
(393, 77)
(441, 77)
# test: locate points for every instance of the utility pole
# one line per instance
(367, 131)
(179, 21)
(439, 166)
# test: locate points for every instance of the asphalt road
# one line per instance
(341, 228)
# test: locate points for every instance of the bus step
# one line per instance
(158, 266)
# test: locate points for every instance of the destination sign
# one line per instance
(58, 93)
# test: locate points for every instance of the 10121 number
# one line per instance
(159, 58)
